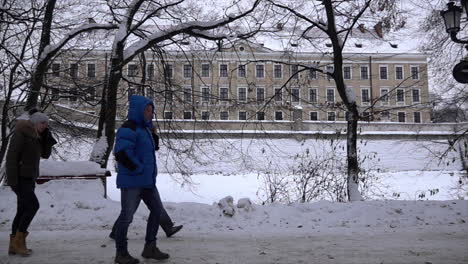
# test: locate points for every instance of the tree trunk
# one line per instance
(108, 114)
(42, 63)
(352, 156)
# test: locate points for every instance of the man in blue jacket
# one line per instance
(137, 169)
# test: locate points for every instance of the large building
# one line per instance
(256, 81)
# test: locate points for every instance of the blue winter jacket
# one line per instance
(135, 148)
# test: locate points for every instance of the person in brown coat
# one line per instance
(30, 141)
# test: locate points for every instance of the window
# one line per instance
(74, 95)
(242, 94)
(383, 72)
(91, 70)
(56, 69)
(401, 117)
(150, 71)
(385, 115)
(384, 96)
(313, 95)
(188, 94)
(278, 71)
(168, 71)
(223, 70)
(417, 117)
(330, 95)
(205, 70)
(169, 96)
(223, 94)
(365, 96)
(331, 116)
(278, 95)
(167, 115)
(205, 94)
(314, 116)
(74, 70)
(364, 73)
(366, 116)
(260, 70)
(295, 95)
(224, 115)
(399, 72)
(187, 115)
(415, 95)
(278, 115)
(150, 93)
(400, 96)
(241, 71)
(260, 115)
(312, 74)
(295, 72)
(132, 70)
(55, 94)
(347, 72)
(130, 91)
(187, 71)
(329, 69)
(242, 115)
(415, 72)
(205, 115)
(90, 94)
(260, 94)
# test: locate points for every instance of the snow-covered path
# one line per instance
(445, 244)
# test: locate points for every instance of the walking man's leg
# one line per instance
(153, 202)
(167, 225)
(129, 200)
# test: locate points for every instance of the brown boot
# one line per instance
(19, 244)
(10, 247)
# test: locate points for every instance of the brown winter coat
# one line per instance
(24, 153)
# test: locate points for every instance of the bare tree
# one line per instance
(178, 20)
(335, 20)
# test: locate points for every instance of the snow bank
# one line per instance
(79, 205)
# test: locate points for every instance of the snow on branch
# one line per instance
(192, 28)
(50, 50)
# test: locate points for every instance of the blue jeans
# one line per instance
(130, 199)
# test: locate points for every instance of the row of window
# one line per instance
(133, 70)
(295, 93)
(313, 116)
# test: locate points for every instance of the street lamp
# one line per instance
(452, 18)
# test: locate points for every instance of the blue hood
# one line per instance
(137, 108)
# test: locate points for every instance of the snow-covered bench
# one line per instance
(88, 170)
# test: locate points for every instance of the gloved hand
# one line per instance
(47, 138)
(156, 141)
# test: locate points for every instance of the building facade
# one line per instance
(249, 82)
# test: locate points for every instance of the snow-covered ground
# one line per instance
(397, 226)
(74, 221)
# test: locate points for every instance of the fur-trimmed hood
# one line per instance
(27, 128)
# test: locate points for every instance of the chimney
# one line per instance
(378, 29)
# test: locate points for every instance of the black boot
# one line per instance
(173, 230)
(152, 252)
(125, 258)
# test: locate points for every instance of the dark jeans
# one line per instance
(165, 222)
(130, 199)
(27, 205)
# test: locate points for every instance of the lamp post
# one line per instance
(452, 17)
